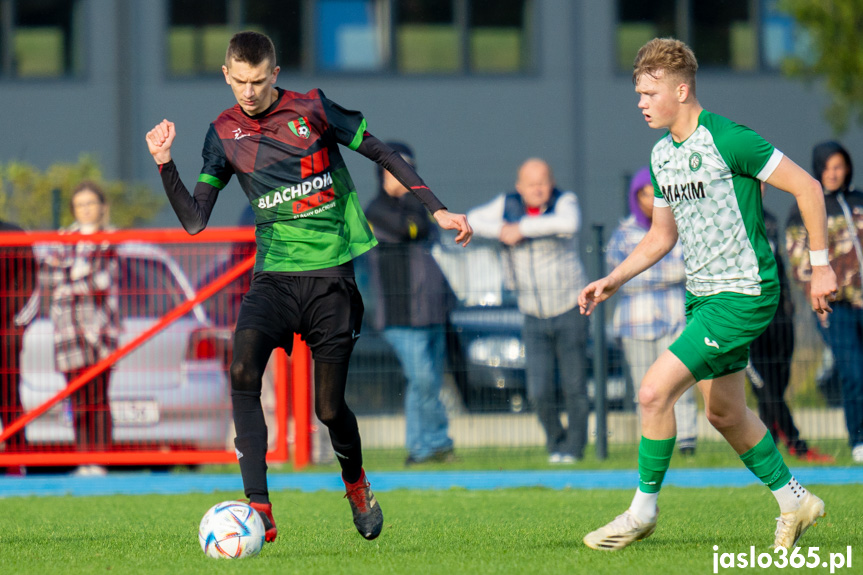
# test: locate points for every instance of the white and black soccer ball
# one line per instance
(231, 530)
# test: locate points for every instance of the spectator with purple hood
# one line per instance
(650, 312)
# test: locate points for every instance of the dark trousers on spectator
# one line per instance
(770, 354)
(91, 412)
(845, 337)
(554, 349)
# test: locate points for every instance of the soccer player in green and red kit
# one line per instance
(283, 147)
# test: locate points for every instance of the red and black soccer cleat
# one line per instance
(368, 517)
(815, 456)
(265, 510)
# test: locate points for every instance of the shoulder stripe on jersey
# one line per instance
(358, 137)
(213, 181)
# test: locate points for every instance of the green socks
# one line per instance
(654, 457)
(765, 461)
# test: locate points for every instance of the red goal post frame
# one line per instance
(300, 368)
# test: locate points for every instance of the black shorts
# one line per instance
(327, 312)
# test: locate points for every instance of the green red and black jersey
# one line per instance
(288, 163)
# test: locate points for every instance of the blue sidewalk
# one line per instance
(179, 483)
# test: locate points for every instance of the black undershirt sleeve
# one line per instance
(192, 210)
(392, 161)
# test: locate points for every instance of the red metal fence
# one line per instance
(178, 297)
(169, 390)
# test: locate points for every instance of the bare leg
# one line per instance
(664, 383)
(725, 406)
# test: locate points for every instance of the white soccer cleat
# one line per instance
(791, 526)
(624, 530)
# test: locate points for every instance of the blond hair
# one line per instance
(667, 55)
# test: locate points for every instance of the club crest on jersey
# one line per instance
(694, 161)
(300, 128)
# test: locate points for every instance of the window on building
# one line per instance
(428, 38)
(782, 37)
(281, 20)
(199, 32)
(500, 36)
(724, 34)
(197, 36)
(351, 35)
(638, 22)
(41, 38)
(740, 35)
(401, 36)
(455, 36)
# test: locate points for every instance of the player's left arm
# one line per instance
(793, 179)
(349, 129)
(375, 150)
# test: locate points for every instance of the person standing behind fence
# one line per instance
(651, 311)
(414, 299)
(843, 329)
(769, 368)
(17, 280)
(83, 279)
(538, 223)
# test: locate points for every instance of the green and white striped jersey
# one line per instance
(711, 183)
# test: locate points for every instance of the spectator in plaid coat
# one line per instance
(651, 311)
(83, 280)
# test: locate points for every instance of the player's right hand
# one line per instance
(159, 141)
(596, 292)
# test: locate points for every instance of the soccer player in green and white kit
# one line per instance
(706, 171)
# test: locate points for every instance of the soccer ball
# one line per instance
(231, 530)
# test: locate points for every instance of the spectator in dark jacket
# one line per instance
(843, 329)
(414, 300)
(17, 280)
(769, 368)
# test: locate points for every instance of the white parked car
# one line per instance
(172, 391)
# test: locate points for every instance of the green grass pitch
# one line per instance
(529, 530)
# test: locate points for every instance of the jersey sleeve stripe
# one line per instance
(213, 181)
(358, 137)
(659, 202)
(771, 165)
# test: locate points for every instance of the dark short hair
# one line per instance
(252, 48)
(91, 186)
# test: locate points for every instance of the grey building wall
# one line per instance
(470, 133)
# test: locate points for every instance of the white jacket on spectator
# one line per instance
(545, 268)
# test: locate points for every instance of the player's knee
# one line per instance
(721, 419)
(649, 397)
(327, 413)
(245, 377)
